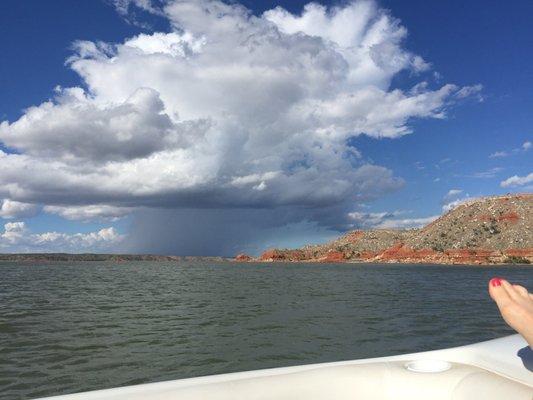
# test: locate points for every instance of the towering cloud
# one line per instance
(226, 110)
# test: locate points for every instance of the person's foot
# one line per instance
(516, 306)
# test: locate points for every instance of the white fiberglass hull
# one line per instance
(496, 369)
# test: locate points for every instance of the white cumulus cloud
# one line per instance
(517, 150)
(15, 209)
(499, 154)
(487, 174)
(452, 199)
(89, 212)
(388, 220)
(516, 180)
(453, 193)
(16, 237)
(13, 232)
(454, 203)
(227, 110)
(407, 223)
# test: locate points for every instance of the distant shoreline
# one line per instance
(57, 257)
(94, 257)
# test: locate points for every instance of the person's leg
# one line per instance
(516, 306)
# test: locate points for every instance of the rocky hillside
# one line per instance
(486, 230)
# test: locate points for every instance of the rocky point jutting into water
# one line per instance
(482, 231)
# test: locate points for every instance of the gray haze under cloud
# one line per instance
(219, 232)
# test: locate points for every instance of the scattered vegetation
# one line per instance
(516, 260)
(438, 247)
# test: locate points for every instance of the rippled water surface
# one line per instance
(73, 327)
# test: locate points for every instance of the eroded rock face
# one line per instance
(528, 252)
(282, 255)
(272, 255)
(403, 252)
(488, 230)
(243, 257)
(333, 257)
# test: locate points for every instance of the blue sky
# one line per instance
(478, 143)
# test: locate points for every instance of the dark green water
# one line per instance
(70, 328)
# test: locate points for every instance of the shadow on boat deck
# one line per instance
(526, 354)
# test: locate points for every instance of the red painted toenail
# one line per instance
(496, 282)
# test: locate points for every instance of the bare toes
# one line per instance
(498, 293)
(511, 291)
(522, 291)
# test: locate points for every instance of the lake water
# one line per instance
(74, 327)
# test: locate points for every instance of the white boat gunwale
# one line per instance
(497, 356)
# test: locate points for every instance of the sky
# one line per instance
(201, 127)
